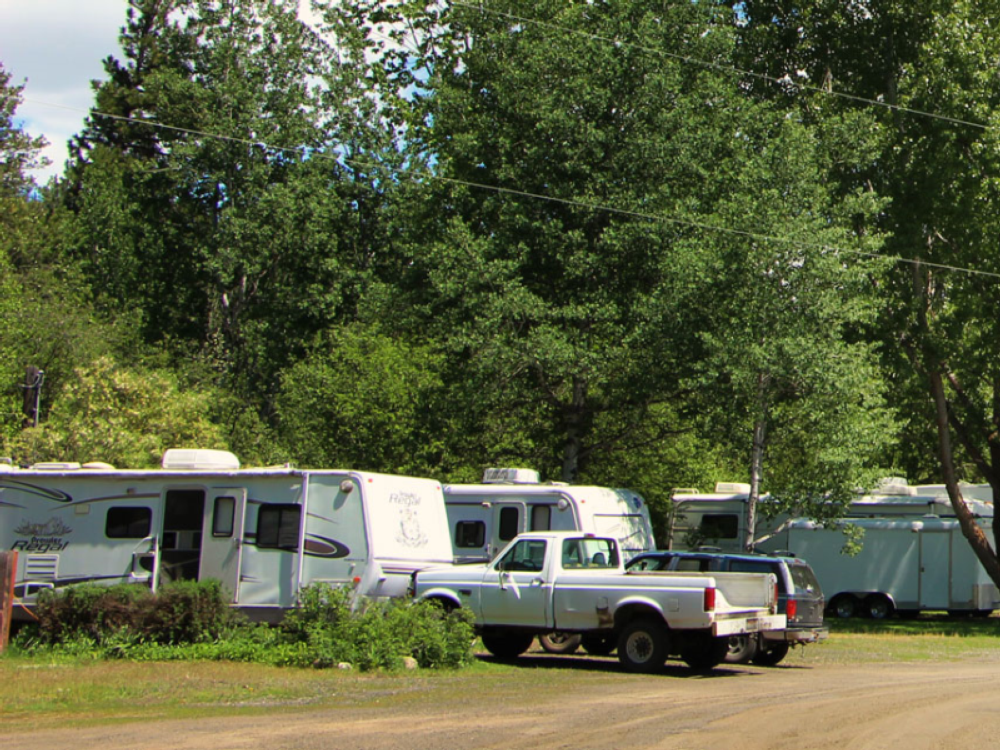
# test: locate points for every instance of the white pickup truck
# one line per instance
(575, 583)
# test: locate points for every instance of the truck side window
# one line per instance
(526, 555)
(470, 534)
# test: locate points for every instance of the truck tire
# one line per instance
(507, 645)
(643, 646)
(559, 642)
(704, 651)
(770, 654)
(742, 648)
(599, 645)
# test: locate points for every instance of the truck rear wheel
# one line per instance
(507, 645)
(704, 651)
(559, 642)
(643, 646)
(742, 648)
(770, 654)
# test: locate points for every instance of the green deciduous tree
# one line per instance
(123, 416)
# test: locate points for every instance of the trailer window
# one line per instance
(541, 517)
(510, 522)
(223, 516)
(470, 534)
(128, 523)
(278, 526)
(720, 525)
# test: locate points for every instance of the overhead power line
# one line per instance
(617, 41)
(599, 207)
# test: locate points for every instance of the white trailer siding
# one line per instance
(484, 518)
(265, 533)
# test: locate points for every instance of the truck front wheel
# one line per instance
(507, 645)
(643, 646)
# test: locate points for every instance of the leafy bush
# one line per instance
(182, 612)
(191, 620)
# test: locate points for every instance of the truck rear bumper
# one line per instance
(793, 635)
(740, 625)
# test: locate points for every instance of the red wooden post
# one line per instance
(8, 571)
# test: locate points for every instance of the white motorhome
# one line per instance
(485, 517)
(263, 532)
(913, 558)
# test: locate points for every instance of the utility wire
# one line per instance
(719, 66)
(596, 207)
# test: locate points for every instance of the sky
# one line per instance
(57, 46)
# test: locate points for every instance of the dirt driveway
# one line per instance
(589, 703)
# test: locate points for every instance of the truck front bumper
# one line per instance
(741, 625)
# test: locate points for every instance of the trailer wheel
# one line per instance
(770, 654)
(742, 649)
(508, 645)
(599, 645)
(703, 651)
(643, 646)
(844, 606)
(879, 607)
(559, 642)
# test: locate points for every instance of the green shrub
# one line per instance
(181, 612)
(191, 620)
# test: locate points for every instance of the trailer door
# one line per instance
(935, 573)
(222, 545)
(508, 522)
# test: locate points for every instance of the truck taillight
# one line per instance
(709, 599)
(791, 607)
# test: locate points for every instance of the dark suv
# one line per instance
(800, 598)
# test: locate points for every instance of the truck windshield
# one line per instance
(589, 553)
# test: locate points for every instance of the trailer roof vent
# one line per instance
(98, 466)
(894, 486)
(184, 459)
(56, 466)
(732, 488)
(510, 476)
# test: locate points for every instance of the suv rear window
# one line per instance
(803, 578)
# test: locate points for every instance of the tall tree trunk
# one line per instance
(573, 417)
(970, 529)
(757, 459)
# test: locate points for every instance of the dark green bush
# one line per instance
(191, 620)
(181, 612)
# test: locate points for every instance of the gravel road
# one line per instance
(911, 706)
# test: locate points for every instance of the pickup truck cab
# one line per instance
(574, 582)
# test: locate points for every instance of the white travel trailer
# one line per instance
(906, 565)
(485, 517)
(913, 557)
(263, 532)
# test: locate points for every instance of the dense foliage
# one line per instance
(191, 620)
(640, 243)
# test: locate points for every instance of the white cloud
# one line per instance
(57, 46)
